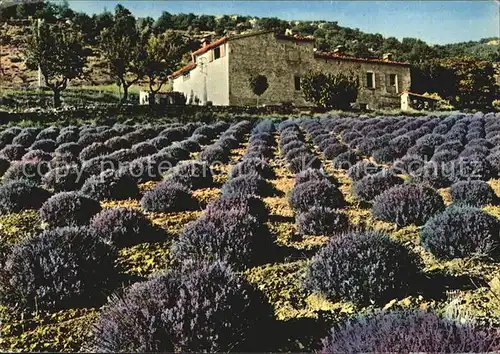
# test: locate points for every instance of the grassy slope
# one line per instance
(470, 287)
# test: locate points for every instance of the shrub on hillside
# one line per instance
(444, 156)
(242, 204)
(434, 175)
(167, 197)
(189, 145)
(314, 174)
(176, 152)
(384, 155)
(315, 193)
(252, 166)
(96, 165)
(24, 139)
(67, 137)
(362, 267)
(172, 134)
(410, 331)
(123, 155)
(4, 165)
(206, 307)
(142, 169)
(205, 130)
(362, 169)
(13, 152)
(228, 142)
(303, 162)
(239, 239)
(58, 269)
(46, 145)
(69, 148)
(143, 149)
(160, 142)
(474, 193)
(268, 138)
(200, 139)
(65, 178)
(334, 150)
(370, 186)
(425, 152)
(25, 170)
(407, 204)
(68, 209)
(462, 232)
(123, 227)
(345, 160)
(249, 184)
(117, 143)
(17, 196)
(471, 168)
(295, 144)
(110, 185)
(192, 174)
(36, 156)
(400, 144)
(48, 133)
(94, 150)
(322, 221)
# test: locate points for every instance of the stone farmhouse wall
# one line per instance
(284, 62)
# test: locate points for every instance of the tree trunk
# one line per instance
(125, 93)
(152, 96)
(57, 98)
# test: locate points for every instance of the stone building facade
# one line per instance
(220, 72)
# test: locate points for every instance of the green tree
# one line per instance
(330, 91)
(122, 49)
(163, 52)
(474, 82)
(259, 85)
(59, 54)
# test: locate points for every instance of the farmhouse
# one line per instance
(219, 72)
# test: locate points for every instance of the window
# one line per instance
(186, 76)
(216, 53)
(393, 83)
(392, 80)
(297, 82)
(370, 79)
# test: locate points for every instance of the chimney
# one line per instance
(339, 50)
(205, 42)
(387, 57)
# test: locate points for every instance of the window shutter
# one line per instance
(387, 83)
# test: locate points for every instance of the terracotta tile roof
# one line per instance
(210, 46)
(183, 70)
(330, 55)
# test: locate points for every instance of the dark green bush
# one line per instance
(58, 269)
(205, 308)
(318, 193)
(167, 197)
(362, 267)
(410, 332)
(237, 238)
(250, 184)
(407, 204)
(110, 185)
(370, 186)
(68, 209)
(322, 221)
(462, 232)
(362, 169)
(124, 227)
(17, 196)
(474, 193)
